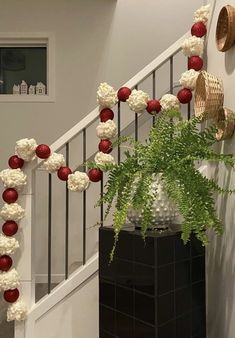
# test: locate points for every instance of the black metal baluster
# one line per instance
(49, 231)
(136, 122)
(102, 205)
(84, 200)
(154, 90)
(189, 111)
(119, 130)
(171, 75)
(67, 218)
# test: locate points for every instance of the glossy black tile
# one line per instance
(104, 334)
(125, 246)
(124, 273)
(125, 326)
(165, 308)
(106, 241)
(182, 301)
(107, 319)
(125, 300)
(143, 330)
(198, 295)
(199, 322)
(107, 293)
(107, 271)
(144, 250)
(167, 330)
(198, 269)
(144, 278)
(144, 308)
(165, 279)
(182, 274)
(165, 250)
(197, 248)
(183, 327)
(182, 251)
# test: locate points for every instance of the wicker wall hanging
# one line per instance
(225, 124)
(225, 30)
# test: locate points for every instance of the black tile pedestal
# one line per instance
(154, 289)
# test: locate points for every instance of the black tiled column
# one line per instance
(152, 289)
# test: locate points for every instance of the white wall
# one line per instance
(221, 252)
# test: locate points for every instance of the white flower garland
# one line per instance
(106, 130)
(137, 101)
(13, 178)
(106, 96)
(12, 212)
(193, 46)
(54, 162)
(188, 79)
(102, 158)
(169, 101)
(202, 14)
(78, 181)
(17, 311)
(25, 149)
(8, 245)
(9, 280)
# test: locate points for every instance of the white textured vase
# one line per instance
(163, 209)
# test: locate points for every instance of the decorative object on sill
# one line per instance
(209, 96)
(23, 88)
(225, 30)
(225, 124)
(40, 89)
(32, 90)
(163, 210)
(16, 89)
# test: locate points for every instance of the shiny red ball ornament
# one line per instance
(10, 228)
(5, 263)
(10, 195)
(198, 29)
(106, 114)
(95, 175)
(43, 151)
(153, 107)
(184, 95)
(123, 94)
(15, 162)
(195, 62)
(11, 296)
(105, 146)
(63, 173)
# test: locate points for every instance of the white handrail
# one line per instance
(138, 78)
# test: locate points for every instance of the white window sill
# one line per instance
(26, 98)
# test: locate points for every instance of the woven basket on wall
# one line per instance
(209, 96)
(225, 124)
(225, 30)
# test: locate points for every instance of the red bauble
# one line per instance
(198, 29)
(15, 162)
(184, 95)
(95, 175)
(106, 114)
(195, 62)
(10, 228)
(10, 195)
(5, 263)
(11, 296)
(153, 107)
(43, 151)
(105, 146)
(123, 94)
(63, 173)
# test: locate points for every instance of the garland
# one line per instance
(26, 150)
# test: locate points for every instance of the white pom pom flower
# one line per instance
(103, 159)
(9, 280)
(25, 149)
(170, 102)
(13, 178)
(193, 46)
(54, 162)
(202, 14)
(12, 212)
(106, 96)
(78, 181)
(8, 245)
(17, 311)
(137, 101)
(106, 129)
(189, 78)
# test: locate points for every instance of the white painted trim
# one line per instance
(21, 39)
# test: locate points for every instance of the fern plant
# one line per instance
(172, 149)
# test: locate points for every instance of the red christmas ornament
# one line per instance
(195, 62)
(11, 296)
(15, 162)
(153, 107)
(106, 114)
(10, 228)
(43, 151)
(105, 146)
(184, 95)
(10, 195)
(199, 29)
(123, 94)
(5, 263)
(63, 173)
(95, 175)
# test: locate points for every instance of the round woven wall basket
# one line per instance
(225, 124)
(225, 30)
(209, 96)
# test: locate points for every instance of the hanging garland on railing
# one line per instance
(14, 179)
